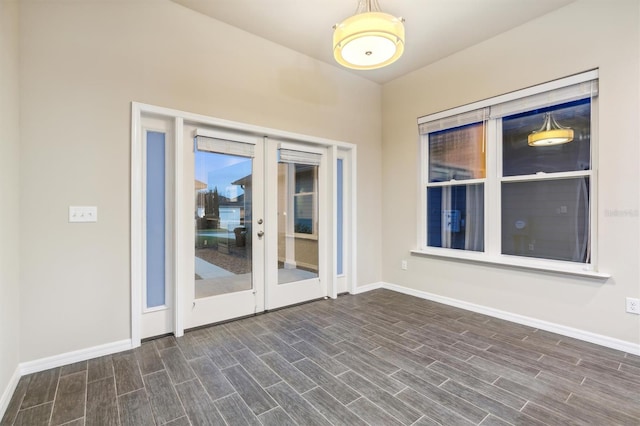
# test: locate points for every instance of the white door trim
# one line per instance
(138, 110)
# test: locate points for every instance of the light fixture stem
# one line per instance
(547, 121)
(365, 6)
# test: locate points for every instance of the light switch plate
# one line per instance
(83, 214)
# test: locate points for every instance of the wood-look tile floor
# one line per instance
(379, 358)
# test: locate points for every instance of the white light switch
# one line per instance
(83, 214)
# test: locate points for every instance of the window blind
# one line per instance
(578, 86)
(457, 120)
(553, 97)
(299, 157)
(223, 146)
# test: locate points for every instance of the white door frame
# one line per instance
(159, 320)
(284, 294)
(138, 110)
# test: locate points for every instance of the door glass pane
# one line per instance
(547, 219)
(455, 217)
(222, 221)
(155, 215)
(457, 153)
(297, 222)
(518, 158)
(340, 218)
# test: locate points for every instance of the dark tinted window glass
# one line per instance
(518, 158)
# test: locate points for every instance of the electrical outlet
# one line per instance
(633, 305)
(403, 265)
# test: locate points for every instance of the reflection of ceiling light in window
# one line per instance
(369, 39)
(551, 133)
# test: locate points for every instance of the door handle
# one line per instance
(260, 234)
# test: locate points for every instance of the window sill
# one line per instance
(514, 262)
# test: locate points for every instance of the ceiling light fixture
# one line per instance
(369, 39)
(551, 133)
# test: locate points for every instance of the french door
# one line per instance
(253, 227)
(229, 220)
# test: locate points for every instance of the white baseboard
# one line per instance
(8, 391)
(75, 356)
(367, 287)
(575, 333)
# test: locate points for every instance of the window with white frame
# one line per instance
(499, 183)
(305, 199)
(298, 171)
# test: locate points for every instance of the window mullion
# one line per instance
(424, 173)
(492, 187)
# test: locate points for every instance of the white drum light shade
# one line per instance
(551, 133)
(368, 40)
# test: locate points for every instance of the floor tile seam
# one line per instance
(35, 406)
(609, 407)
(452, 394)
(401, 390)
(335, 376)
(256, 381)
(300, 395)
(433, 401)
(545, 407)
(422, 416)
(447, 379)
(269, 410)
(19, 405)
(86, 386)
(184, 410)
(130, 392)
(603, 378)
(561, 414)
(593, 350)
(298, 370)
(494, 400)
(86, 395)
(387, 412)
(206, 392)
(317, 347)
(471, 375)
(380, 390)
(628, 355)
(72, 372)
(597, 392)
(175, 391)
(101, 378)
(488, 415)
(156, 372)
(117, 402)
(502, 366)
(214, 362)
(67, 423)
(255, 378)
(380, 372)
(273, 350)
(55, 395)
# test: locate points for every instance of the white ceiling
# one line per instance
(434, 28)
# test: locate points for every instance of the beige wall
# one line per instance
(82, 64)
(581, 36)
(9, 187)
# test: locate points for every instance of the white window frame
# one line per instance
(291, 181)
(314, 205)
(493, 181)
